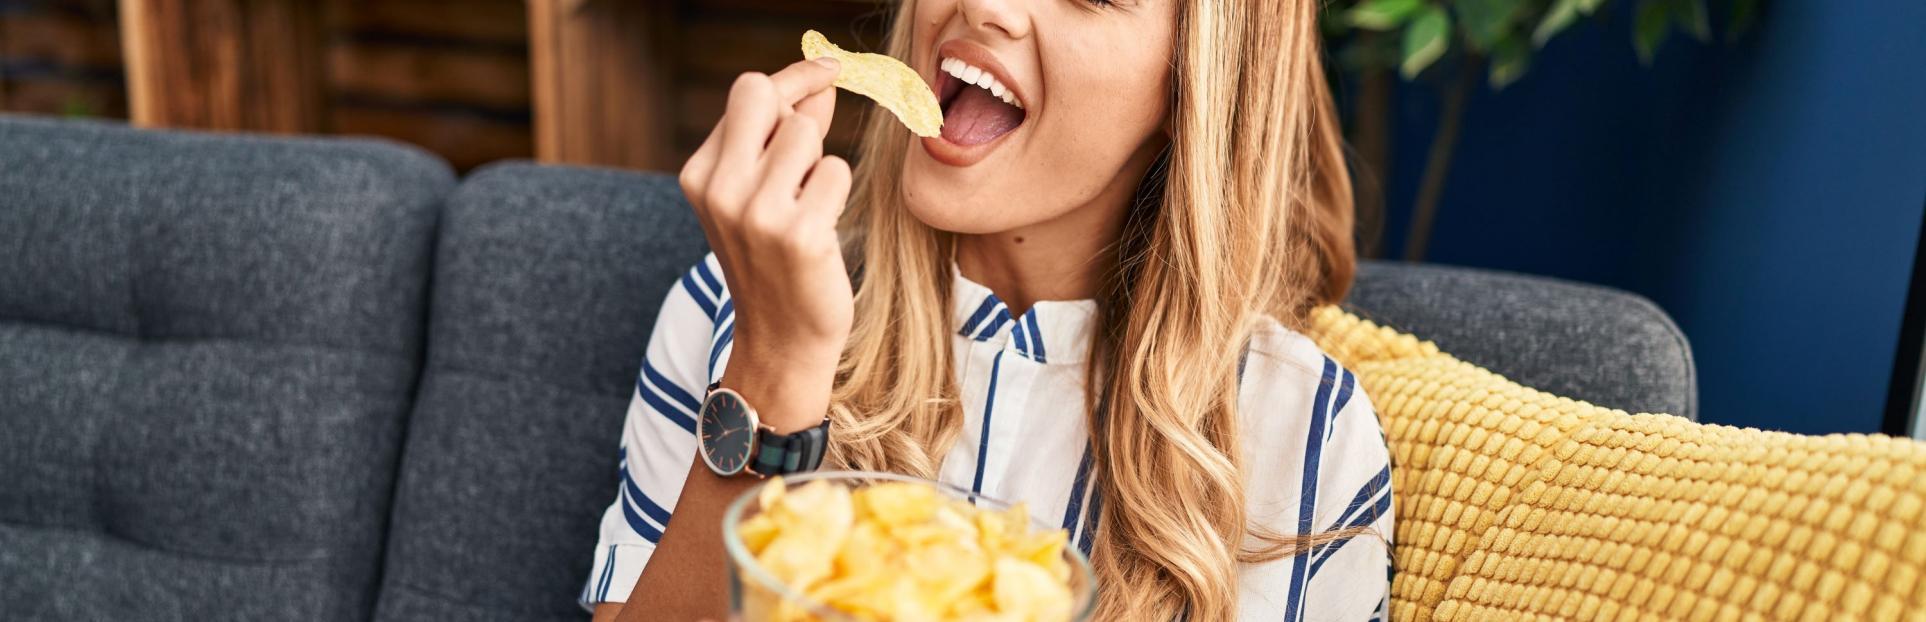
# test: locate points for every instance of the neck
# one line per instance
(1059, 259)
(1063, 258)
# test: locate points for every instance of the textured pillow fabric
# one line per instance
(1515, 503)
(546, 285)
(208, 347)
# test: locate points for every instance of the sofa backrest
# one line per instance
(1597, 344)
(546, 285)
(208, 348)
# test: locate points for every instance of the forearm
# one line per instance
(686, 577)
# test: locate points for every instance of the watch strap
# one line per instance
(784, 454)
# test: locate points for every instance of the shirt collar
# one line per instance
(1051, 332)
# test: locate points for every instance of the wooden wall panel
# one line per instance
(68, 37)
(61, 58)
(407, 71)
(496, 21)
(629, 83)
(466, 140)
(602, 82)
(448, 75)
(225, 64)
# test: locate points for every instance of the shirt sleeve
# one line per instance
(1348, 579)
(1327, 468)
(689, 346)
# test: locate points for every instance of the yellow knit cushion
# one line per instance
(1514, 503)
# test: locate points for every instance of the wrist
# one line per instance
(788, 393)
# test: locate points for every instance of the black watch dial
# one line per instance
(727, 431)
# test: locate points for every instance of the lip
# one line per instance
(974, 54)
(941, 149)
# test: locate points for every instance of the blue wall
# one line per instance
(1768, 194)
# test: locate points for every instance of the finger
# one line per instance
(820, 106)
(695, 172)
(746, 124)
(805, 78)
(827, 190)
(796, 147)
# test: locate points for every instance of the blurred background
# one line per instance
(1757, 168)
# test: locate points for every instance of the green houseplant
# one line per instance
(1456, 45)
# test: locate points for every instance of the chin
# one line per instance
(965, 202)
(964, 217)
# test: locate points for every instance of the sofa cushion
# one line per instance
(1588, 342)
(208, 345)
(546, 285)
(1514, 503)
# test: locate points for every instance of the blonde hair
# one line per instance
(1247, 214)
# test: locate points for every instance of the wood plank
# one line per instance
(59, 95)
(820, 9)
(764, 47)
(224, 64)
(490, 78)
(466, 140)
(494, 21)
(60, 38)
(601, 82)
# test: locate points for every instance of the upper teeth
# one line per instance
(977, 76)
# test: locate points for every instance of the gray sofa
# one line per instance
(249, 378)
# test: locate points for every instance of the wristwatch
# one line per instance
(733, 440)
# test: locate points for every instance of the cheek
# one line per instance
(1099, 116)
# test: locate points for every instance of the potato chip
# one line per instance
(1022, 586)
(893, 85)
(897, 503)
(904, 552)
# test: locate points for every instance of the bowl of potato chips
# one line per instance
(847, 546)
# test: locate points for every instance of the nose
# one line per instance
(1005, 16)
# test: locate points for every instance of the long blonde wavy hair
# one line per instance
(1247, 214)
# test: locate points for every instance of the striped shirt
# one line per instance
(1315, 457)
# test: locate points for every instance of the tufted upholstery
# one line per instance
(546, 285)
(208, 347)
(1514, 503)
(1586, 342)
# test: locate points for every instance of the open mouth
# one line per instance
(977, 107)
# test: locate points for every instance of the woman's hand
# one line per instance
(768, 200)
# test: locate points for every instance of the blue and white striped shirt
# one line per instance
(1315, 456)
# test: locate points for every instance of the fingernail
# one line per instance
(830, 62)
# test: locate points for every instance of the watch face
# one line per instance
(726, 430)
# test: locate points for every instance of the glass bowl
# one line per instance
(756, 596)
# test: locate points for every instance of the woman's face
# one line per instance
(1088, 83)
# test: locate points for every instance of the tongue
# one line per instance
(977, 117)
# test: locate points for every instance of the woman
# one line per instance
(1084, 295)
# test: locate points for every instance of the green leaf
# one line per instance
(74, 107)
(1382, 14)
(1369, 53)
(1589, 7)
(1692, 15)
(1744, 14)
(1486, 21)
(1562, 14)
(1425, 41)
(1510, 58)
(1654, 20)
